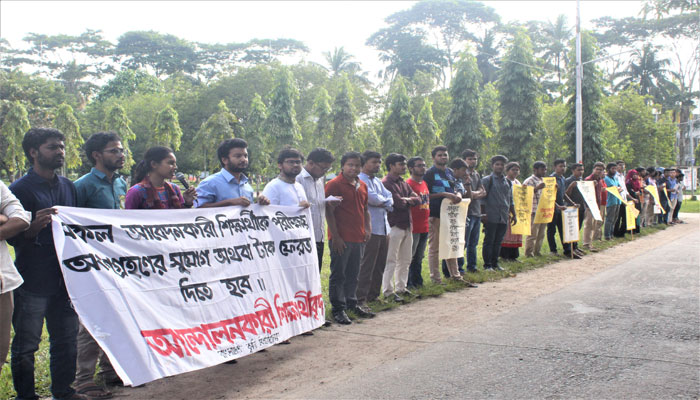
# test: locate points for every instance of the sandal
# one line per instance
(94, 392)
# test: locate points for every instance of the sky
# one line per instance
(320, 25)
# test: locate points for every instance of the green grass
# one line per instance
(690, 206)
(428, 290)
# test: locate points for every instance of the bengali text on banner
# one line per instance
(548, 197)
(165, 292)
(453, 219)
(522, 202)
(587, 189)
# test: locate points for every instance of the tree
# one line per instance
(255, 133)
(166, 129)
(486, 50)
(557, 35)
(518, 93)
(324, 119)
(648, 74)
(127, 82)
(14, 126)
(220, 126)
(489, 117)
(463, 127)
(591, 97)
(399, 134)
(68, 125)
(282, 127)
(428, 131)
(117, 121)
(344, 129)
(339, 61)
(165, 54)
(406, 52)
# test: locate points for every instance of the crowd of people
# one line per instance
(378, 229)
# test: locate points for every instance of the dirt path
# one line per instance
(335, 353)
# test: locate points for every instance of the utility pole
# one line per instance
(579, 76)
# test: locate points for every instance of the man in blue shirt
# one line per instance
(440, 181)
(374, 256)
(613, 203)
(43, 294)
(230, 186)
(103, 188)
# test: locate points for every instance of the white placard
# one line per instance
(570, 224)
(587, 189)
(170, 291)
(453, 218)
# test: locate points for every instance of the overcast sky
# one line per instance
(320, 25)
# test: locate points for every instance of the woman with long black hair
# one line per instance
(151, 190)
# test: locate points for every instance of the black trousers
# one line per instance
(319, 252)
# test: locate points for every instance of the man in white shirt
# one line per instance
(285, 190)
(13, 220)
(311, 178)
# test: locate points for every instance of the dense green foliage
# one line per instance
(452, 74)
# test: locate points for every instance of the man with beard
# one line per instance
(43, 294)
(230, 186)
(100, 188)
(285, 190)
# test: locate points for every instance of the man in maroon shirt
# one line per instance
(400, 236)
(419, 218)
(349, 227)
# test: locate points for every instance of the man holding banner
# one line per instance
(575, 195)
(614, 200)
(533, 242)
(499, 204)
(592, 227)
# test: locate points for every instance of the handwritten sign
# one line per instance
(613, 190)
(522, 201)
(631, 214)
(453, 218)
(570, 224)
(587, 189)
(548, 197)
(657, 202)
(167, 292)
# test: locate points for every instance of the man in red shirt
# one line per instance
(349, 227)
(419, 215)
(592, 229)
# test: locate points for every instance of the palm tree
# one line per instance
(340, 61)
(486, 51)
(649, 72)
(557, 36)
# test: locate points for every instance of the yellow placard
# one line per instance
(631, 213)
(615, 192)
(522, 201)
(655, 194)
(548, 197)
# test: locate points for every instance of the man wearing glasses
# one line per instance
(103, 188)
(312, 180)
(285, 190)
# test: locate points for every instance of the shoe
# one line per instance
(459, 280)
(470, 285)
(410, 293)
(575, 257)
(341, 318)
(309, 333)
(363, 312)
(579, 252)
(396, 298)
(328, 323)
(497, 268)
(231, 362)
(487, 267)
(92, 391)
(554, 253)
(472, 270)
(78, 396)
(592, 249)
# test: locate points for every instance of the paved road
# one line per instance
(632, 331)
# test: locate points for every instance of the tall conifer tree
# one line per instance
(463, 128)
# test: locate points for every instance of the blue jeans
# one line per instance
(62, 324)
(345, 268)
(415, 278)
(471, 240)
(493, 237)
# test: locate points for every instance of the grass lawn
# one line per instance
(429, 290)
(690, 206)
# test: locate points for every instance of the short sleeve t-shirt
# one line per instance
(421, 212)
(282, 193)
(438, 181)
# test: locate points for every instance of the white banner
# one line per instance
(587, 189)
(170, 291)
(570, 224)
(453, 220)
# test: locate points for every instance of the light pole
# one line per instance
(579, 76)
(656, 113)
